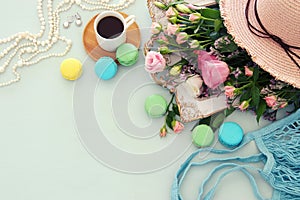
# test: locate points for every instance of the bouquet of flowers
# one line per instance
(211, 63)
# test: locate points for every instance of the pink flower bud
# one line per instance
(171, 12)
(163, 132)
(248, 72)
(177, 126)
(182, 37)
(271, 100)
(244, 105)
(194, 17)
(229, 91)
(172, 29)
(156, 28)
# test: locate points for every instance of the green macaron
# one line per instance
(155, 105)
(127, 54)
(203, 136)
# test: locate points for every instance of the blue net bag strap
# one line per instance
(282, 168)
(235, 167)
(185, 168)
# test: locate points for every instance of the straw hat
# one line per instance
(281, 20)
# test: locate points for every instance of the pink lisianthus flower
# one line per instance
(177, 126)
(248, 72)
(244, 105)
(182, 37)
(214, 71)
(271, 100)
(156, 28)
(229, 91)
(154, 62)
(172, 29)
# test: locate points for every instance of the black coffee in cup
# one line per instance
(110, 27)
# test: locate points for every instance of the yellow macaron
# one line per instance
(71, 69)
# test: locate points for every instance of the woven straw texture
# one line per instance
(281, 18)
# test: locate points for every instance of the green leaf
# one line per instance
(245, 96)
(217, 25)
(229, 111)
(255, 74)
(255, 92)
(175, 109)
(210, 13)
(262, 107)
(205, 120)
(169, 121)
(171, 114)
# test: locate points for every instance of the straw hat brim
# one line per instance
(269, 55)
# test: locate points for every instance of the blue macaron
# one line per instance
(230, 134)
(106, 68)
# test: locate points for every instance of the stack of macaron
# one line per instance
(126, 54)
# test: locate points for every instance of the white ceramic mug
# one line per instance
(111, 43)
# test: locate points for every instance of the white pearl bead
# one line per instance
(54, 39)
(78, 2)
(66, 24)
(19, 63)
(78, 22)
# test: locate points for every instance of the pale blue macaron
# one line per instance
(106, 68)
(230, 134)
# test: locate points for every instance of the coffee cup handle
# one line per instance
(129, 21)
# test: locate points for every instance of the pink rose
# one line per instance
(172, 29)
(182, 38)
(155, 28)
(204, 56)
(170, 12)
(154, 62)
(271, 100)
(177, 126)
(248, 72)
(214, 71)
(194, 17)
(229, 91)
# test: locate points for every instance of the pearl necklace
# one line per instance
(27, 49)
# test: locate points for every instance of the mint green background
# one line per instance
(41, 156)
